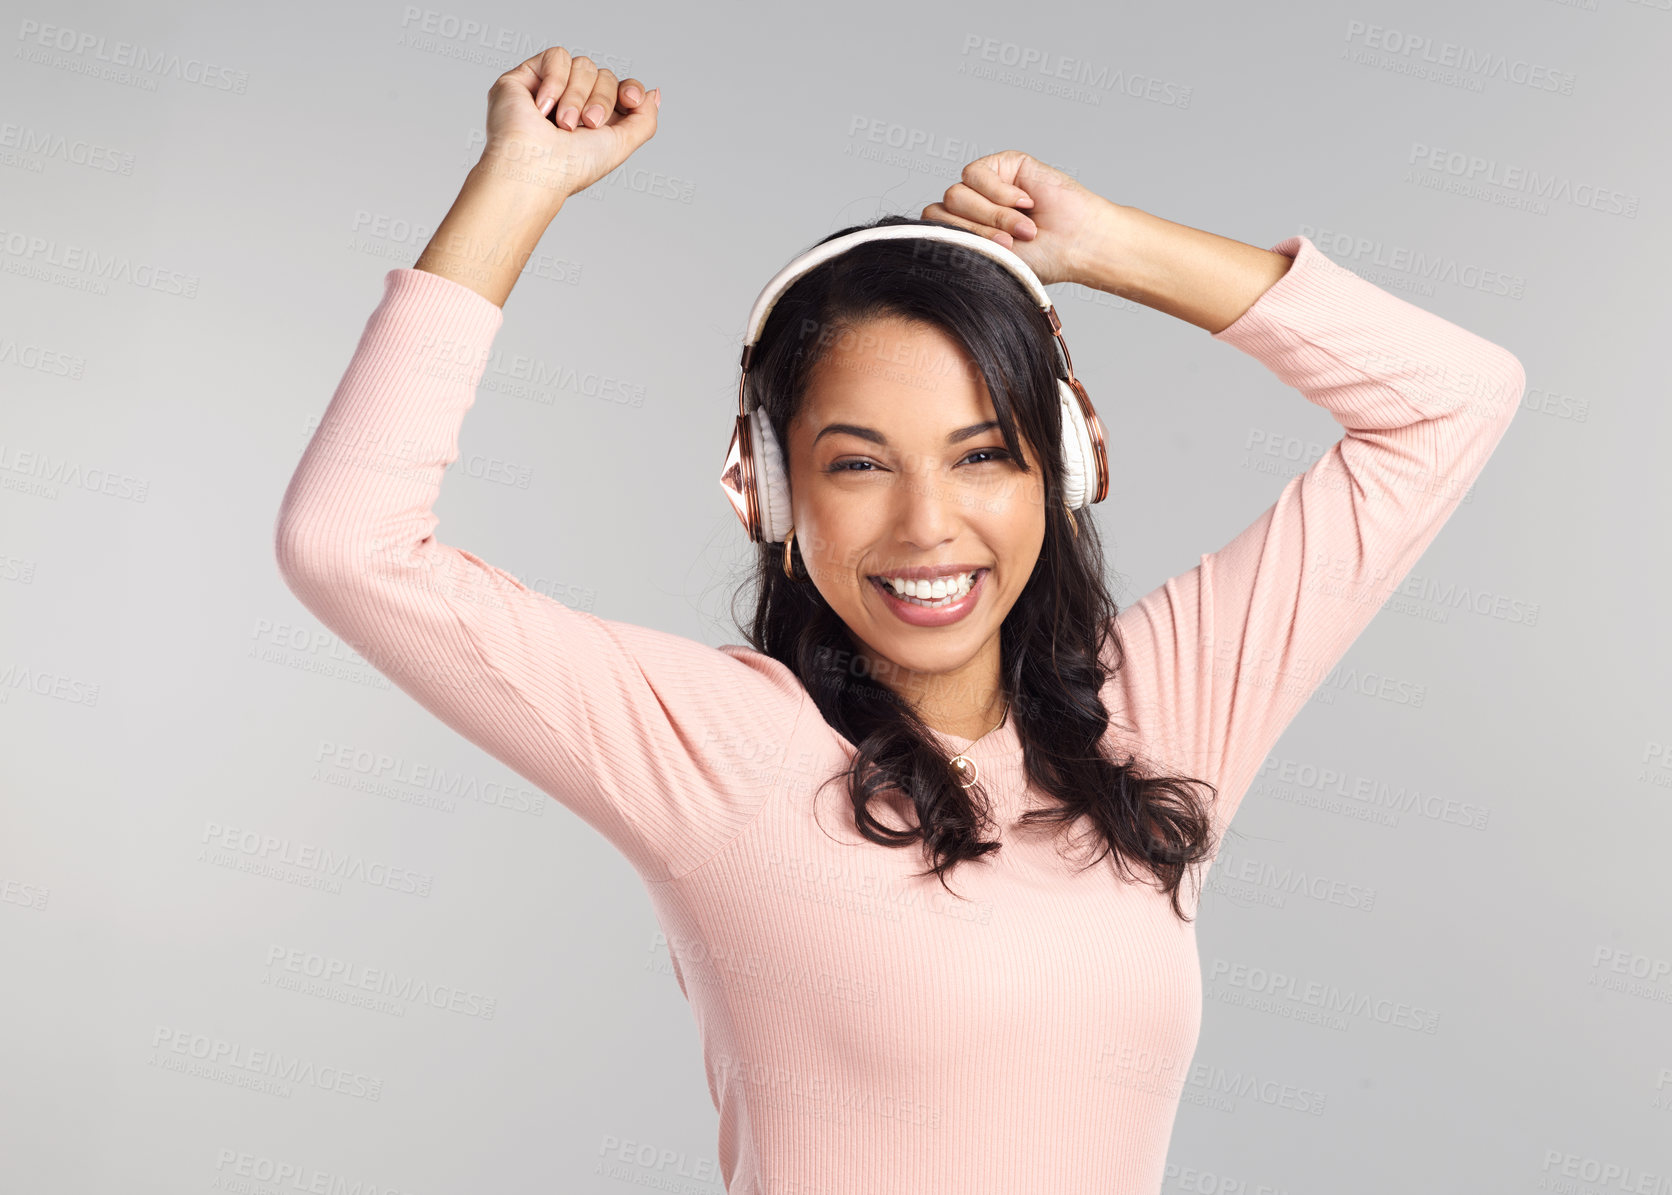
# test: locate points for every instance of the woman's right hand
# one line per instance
(598, 121)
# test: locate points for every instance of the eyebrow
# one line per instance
(876, 437)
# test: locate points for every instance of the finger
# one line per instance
(640, 124)
(966, 201)
(937, 211)
(582, 72)
(631, 95)
(549, 70)
(601, 102)
(994, 177)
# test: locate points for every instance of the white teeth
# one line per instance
(942, 590)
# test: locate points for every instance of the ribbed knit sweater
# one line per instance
(864, 1031)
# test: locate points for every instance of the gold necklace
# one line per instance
(963, 765)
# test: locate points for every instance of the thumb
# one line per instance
(639, 125)
(998, 176)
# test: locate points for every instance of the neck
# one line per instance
(966, 702)
(967, 728)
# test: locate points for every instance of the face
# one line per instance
(896, 464)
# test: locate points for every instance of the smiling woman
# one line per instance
(864, 1027)
(945, 587)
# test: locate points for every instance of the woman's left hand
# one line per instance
(1036, 211)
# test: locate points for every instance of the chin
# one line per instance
(910, 656)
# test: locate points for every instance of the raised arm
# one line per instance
(1220, 659)
(625, 725)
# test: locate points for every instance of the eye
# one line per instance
(850, 465)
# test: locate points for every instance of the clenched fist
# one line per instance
(1046, 218)
(563, 122)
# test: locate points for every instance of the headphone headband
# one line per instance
(819, 254)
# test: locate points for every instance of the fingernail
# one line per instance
(657, 96)
(599, 118)
(546, 105)
(567, 118)
(1025, 229)
(633, 94)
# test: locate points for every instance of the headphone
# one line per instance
(755, 478)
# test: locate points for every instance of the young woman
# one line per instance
(921, 855)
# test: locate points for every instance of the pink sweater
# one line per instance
(864, 1031)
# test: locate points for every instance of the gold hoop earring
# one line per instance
(788, 570)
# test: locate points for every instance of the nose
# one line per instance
(926, 511)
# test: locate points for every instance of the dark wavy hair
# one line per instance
(1053, 642)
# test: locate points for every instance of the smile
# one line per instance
(916, 603)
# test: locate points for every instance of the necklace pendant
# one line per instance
(966, 769)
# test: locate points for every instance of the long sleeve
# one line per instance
(1220, 659)
(632, 729)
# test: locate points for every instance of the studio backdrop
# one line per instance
(270, 926)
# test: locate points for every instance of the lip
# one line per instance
(923, 616)
(928, 572)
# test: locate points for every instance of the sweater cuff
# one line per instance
(1321, 326)
(460, 323)
(1311, 283)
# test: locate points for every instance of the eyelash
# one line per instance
(998, 454)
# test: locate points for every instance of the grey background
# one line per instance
(189, 258)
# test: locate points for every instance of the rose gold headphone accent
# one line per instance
(738, 477)
(1093, 424)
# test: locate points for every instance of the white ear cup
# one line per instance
(772, 484)
(1079, 456)
(772, 479)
